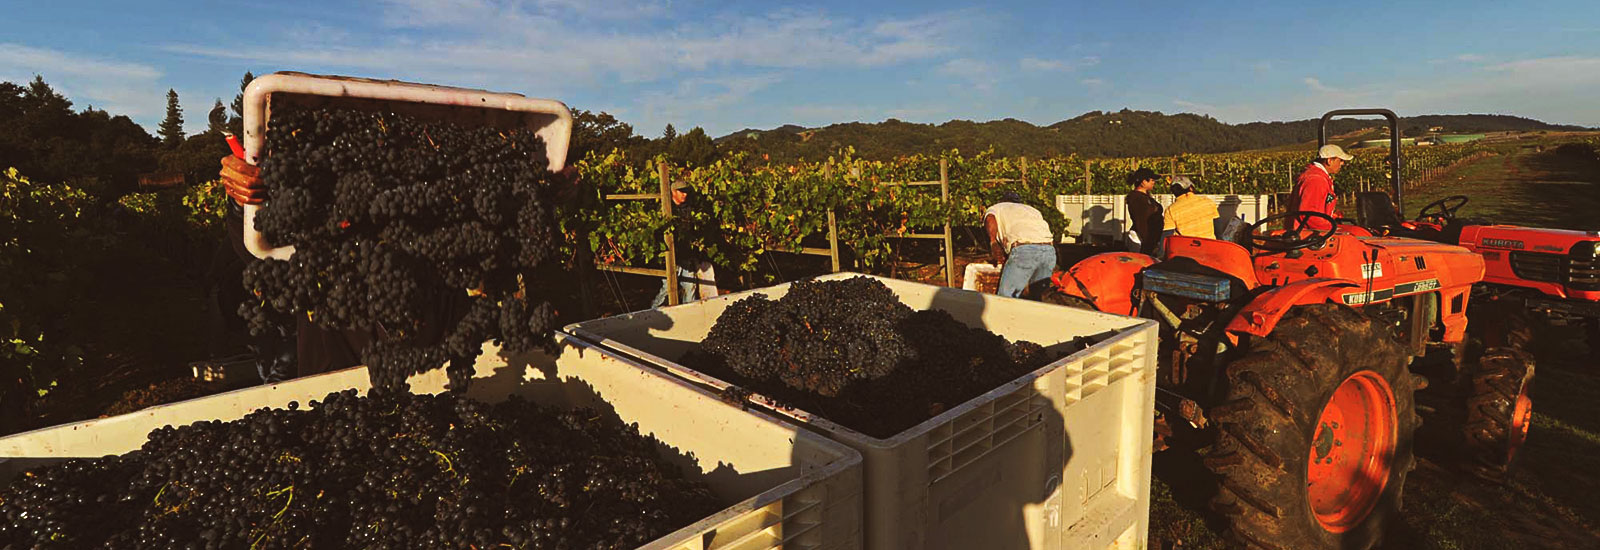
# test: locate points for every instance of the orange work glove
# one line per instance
(242, 182)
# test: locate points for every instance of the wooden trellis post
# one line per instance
(949, 244)
(1088, 178)
(673, 298)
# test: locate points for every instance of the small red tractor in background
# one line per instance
(1288, 356)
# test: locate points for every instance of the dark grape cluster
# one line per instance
(392, 470)
(851, 351)
(395, 221)
(819, 337)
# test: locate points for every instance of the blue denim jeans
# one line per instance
(1027, 264)
(688, 286)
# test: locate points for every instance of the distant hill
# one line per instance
(1093, 134)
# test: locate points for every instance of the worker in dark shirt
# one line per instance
(1143, 211)
(695, 235)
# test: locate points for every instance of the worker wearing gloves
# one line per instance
(1021, 242)
(275, 353)
(1313, 190)
(1190, 215)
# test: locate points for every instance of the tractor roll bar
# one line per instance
(1394, 146)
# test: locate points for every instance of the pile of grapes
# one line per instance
(395, 221)
(850, 351)
(393, 470)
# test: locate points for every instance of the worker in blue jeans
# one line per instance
(1021, 242)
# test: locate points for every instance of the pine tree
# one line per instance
(236, 123)
(171, 129)
(218, 118)
(669, 135)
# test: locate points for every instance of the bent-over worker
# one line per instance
(1020, 241)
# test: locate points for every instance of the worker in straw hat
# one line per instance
(1313, 190)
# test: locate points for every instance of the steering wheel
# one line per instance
(1297, 237)
(1442, 211)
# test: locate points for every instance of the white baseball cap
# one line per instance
(1331, 151)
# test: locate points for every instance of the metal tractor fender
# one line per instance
(1105, 280)
(1261, 315)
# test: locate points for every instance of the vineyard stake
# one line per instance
(673, 298)
(1088, 178)
(944, 194)
(833, 242)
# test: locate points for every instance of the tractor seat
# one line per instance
(1375, 210)
(1209, 257)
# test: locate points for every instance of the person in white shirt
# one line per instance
(1021, 242)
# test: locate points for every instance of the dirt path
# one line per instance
(1531, 185)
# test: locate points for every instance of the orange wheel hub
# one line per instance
(1521, 419)
(1351, 451)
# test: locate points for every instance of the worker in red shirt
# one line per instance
(1313, 190)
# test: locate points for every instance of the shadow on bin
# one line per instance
(538, 377)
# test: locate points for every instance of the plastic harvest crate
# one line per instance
(1057, 459)
(790, 488)
(547, 118)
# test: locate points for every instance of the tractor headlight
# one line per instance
(1585, 250)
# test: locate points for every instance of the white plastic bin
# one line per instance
(548, 118)
(981, 277)
(790, 488)
(1057, 459)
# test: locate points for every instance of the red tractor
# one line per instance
(1288, 354)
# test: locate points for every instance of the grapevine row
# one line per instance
(759, 207)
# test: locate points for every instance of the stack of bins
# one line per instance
(1057, 459)
(788, 488)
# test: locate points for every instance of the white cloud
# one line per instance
(1469, 58)
(119, 87)
(1057, 65)
(819, 115)
(1261, 66)
(514, 38)
(980, 74)
(1552, 89)
(700, 101)
(1093, 82)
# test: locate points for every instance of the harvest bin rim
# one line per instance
(776, 406)
(828, 492)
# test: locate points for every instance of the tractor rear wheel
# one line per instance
(1315, 435)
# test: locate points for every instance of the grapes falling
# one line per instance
(395, 221)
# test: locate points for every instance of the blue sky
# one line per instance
(731, 65)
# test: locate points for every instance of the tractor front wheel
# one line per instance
(1314, 440)
(1500, 409)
